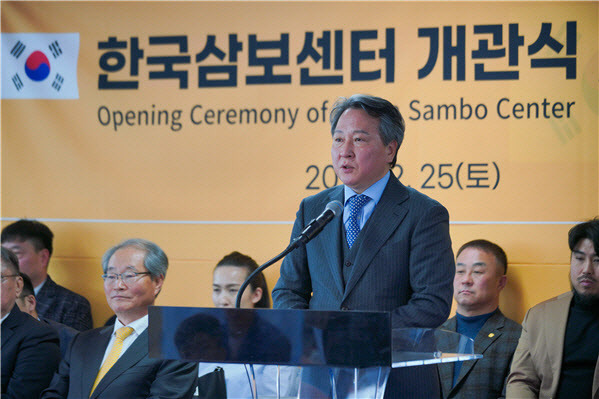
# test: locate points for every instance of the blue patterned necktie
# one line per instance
(356, 203)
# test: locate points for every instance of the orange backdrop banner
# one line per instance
(201, 125)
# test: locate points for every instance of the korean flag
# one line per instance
(40, 65)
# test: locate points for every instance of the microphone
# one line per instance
(333, 208)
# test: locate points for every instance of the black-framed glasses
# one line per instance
(3, 277)
(127, 277)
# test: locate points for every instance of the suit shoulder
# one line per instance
(324, 195)
(447, 325)
(31, 328)
(422, 198)
(513, 325)
(550, 305)
(70, 295)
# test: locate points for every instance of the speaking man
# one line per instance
(112, 362)
(391, 251)
(31, 241)
(480, 276)
(558, 353)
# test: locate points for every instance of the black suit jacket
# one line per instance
(133, 376)
(482, 378)
(65, 333)
(30, 355)
(64, 306)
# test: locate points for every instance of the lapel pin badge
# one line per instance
(491, 335)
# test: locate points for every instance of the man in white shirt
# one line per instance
(111, 362)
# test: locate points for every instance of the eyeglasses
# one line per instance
(3, 277)
(126, 278)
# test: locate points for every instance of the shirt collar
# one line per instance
(37, 289)
(138, 325)
(375, 192)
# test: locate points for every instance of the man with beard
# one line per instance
(557, 355)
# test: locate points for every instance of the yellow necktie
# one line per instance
(113, 356)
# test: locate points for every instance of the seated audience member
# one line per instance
(31, 241)
(27, 303)
(558, 353)
(228, 276)
(479, 278)
(112, 362)
(30, 352)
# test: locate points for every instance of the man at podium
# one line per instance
(391, 251)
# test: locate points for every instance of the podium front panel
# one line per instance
(271, 336)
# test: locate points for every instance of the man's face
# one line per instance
(226, 282)
(359, 156)
(130, 301)
(477, 282)
(11, 289)
(584, 269)
(31, 262)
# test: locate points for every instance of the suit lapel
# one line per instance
(332, 239)
(9, 324)
(445, 345)
(92, 357)
(385, 219)
(555, 332)
(596, 381)
(137, 351)
(489, 333)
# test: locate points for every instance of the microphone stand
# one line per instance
(315, 226)
(247, 281)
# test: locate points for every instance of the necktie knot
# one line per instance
(123, 333)
(356, 203)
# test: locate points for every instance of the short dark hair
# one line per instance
(588, 229)
(10, 260)
(36, 232)
(27, 286)
(391, 124)
(259, 281)
(490, 247)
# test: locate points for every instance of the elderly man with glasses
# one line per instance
(112, 361)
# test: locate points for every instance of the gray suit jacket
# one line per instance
(133, 376)
(404, 264)
(486, 377)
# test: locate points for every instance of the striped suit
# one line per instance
(404, 263)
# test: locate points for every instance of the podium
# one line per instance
(300, 353)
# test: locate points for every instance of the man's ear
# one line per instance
(158, 284)
(502, 282)
(44, 254)
(19, 285)
(30, 303)
(391, 150)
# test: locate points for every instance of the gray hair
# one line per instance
(392, 125)
(155, 260)
(10, 260)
